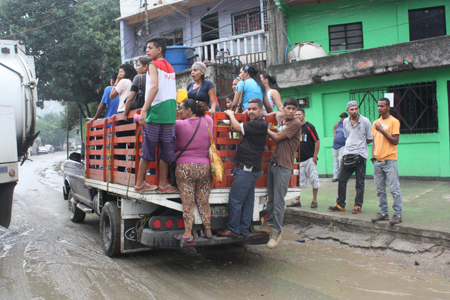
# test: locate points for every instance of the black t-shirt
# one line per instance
(203, 93)
(139, 80)
(251, 147)
(308, 141)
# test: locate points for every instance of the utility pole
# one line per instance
(146, 20)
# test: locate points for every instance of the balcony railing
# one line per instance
(236, 45)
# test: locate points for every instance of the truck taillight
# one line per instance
(156, 224)
(168, 223)
(12, 172)
(6, 50)
(180, 223)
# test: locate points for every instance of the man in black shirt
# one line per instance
(248, 168)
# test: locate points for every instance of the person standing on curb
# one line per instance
(309, 149)
(279, 172)
(248, 168)
(386, 133)
(338, 145)
(358, 131)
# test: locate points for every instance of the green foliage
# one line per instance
(76, 45)
(50, 127)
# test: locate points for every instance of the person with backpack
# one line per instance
(136, 98)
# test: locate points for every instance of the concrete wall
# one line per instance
(384, 22)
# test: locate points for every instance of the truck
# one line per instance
(17, 117)
(101, 180)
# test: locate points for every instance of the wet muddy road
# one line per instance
(43, 255)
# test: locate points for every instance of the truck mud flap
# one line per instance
(252, 238)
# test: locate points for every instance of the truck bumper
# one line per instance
(9, 172)
(165, 239)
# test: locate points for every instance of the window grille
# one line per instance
(426, 22)
(346, 36)
(173, 38)
(246, 21)
(415, 105)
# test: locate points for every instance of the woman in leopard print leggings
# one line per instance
(193, 171)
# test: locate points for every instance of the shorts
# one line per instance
(164, 134)
(308, 169)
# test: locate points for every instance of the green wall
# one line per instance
(384, 22)
(418, 154)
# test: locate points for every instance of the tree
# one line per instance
(50, 127)
(75, 44)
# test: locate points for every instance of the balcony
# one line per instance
(236, 46)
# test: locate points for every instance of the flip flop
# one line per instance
(184, 238)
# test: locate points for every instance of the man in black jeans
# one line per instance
(358, 132)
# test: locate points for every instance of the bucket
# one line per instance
(176, 57)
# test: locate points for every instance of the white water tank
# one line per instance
(305, 50)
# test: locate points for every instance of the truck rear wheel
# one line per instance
(76, 215)
(110, 221)
(6, 199)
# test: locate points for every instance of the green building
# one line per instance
(378, 47)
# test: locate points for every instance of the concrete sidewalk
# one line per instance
(426, 210)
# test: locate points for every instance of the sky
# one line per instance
(50, 106)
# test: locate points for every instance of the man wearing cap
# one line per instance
(338, 145)
(201, 89)
(358, 131)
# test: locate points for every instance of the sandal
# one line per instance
(184, 238)
(208, 235)
(313, 204)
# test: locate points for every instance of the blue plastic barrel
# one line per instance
(175, 56)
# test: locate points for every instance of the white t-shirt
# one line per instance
(123, 88)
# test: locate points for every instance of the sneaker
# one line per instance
(334, 180)
(145, 188)
(356, 210)
(263, 228)
(167, 190)
(275, 239)
(395, 220)
(380, 217)
(336, 207)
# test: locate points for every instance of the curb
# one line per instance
(306, 218)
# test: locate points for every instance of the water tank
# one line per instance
(305, 50)
(176, 57)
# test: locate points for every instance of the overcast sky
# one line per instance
(50, 106)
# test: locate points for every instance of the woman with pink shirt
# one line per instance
(193, 171)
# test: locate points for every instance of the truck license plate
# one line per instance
(219, 211)
(4, 170)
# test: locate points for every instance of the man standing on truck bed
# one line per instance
(248, 168)
(158, 117)
(279, 172)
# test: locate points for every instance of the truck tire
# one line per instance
(6, 199)
(76, 215)
(110, 221)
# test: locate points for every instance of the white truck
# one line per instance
(130, 221)
(17, 117)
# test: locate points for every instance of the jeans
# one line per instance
(337, 159)
(344, 176)
(277, 186)
(387, 171)
(241, 201)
